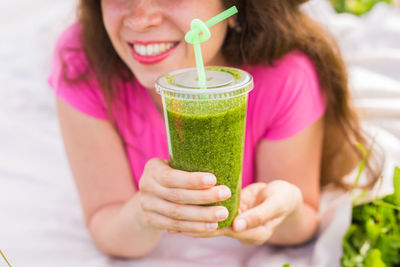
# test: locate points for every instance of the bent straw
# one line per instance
(198, 33)
(222, 16)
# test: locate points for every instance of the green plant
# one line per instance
(357, 7)
(373, 238)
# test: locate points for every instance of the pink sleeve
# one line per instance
(69, 62)
(299, 102)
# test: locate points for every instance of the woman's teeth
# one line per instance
(152, 49)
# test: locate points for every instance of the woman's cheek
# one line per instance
(114, 11)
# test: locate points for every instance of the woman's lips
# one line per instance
(148, 58)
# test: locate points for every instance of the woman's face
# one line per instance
(149, 35)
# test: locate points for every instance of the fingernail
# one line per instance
(240, 225)
(212, 226)
(209, 179)
(222, 214)
(224, 193)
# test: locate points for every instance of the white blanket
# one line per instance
(41, 221)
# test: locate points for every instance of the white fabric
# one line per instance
(40, 217)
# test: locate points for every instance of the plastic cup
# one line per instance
(206, 127)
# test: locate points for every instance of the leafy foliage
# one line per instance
(373, 238)
(357, 7)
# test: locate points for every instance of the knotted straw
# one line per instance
(199, 32)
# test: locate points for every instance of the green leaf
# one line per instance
(382, 203)
(362, 164)
(350, 231)
(373, 238)
(389, 246)
(360, 170)
(374, 259)
(373, 231)
(396, 184)
(357, 7)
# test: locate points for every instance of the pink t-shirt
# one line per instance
(285, 100)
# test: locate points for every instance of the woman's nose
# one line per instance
(143, 15)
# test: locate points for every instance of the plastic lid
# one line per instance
(222, 82)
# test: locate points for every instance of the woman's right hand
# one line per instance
(171, 198)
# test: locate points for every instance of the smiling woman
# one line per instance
(149, 53)
(146, 24)
(104, 73)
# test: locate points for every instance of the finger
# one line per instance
(251, 195)
(220, 232)
(258, 215)
(184, 212)
(172, 178)
(192, 197)
(261, 234)
(274, 223)
(258, 235)
(163, 222)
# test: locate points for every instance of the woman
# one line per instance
(299, 133)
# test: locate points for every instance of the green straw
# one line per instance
(221, 16)
(198, 33)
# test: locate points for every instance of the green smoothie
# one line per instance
(206, 130)
(211, 143)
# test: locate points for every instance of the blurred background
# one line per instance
(359, 7)
(40, 218)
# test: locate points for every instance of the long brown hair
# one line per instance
(268, 31)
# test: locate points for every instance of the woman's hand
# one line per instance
(170, 198)
(263, 207)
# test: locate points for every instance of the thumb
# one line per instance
(257, 216)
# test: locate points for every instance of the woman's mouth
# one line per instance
(152, 52)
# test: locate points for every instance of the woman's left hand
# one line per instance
(263, 207)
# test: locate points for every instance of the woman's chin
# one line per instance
(148, 81)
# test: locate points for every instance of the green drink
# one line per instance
(206, 127)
